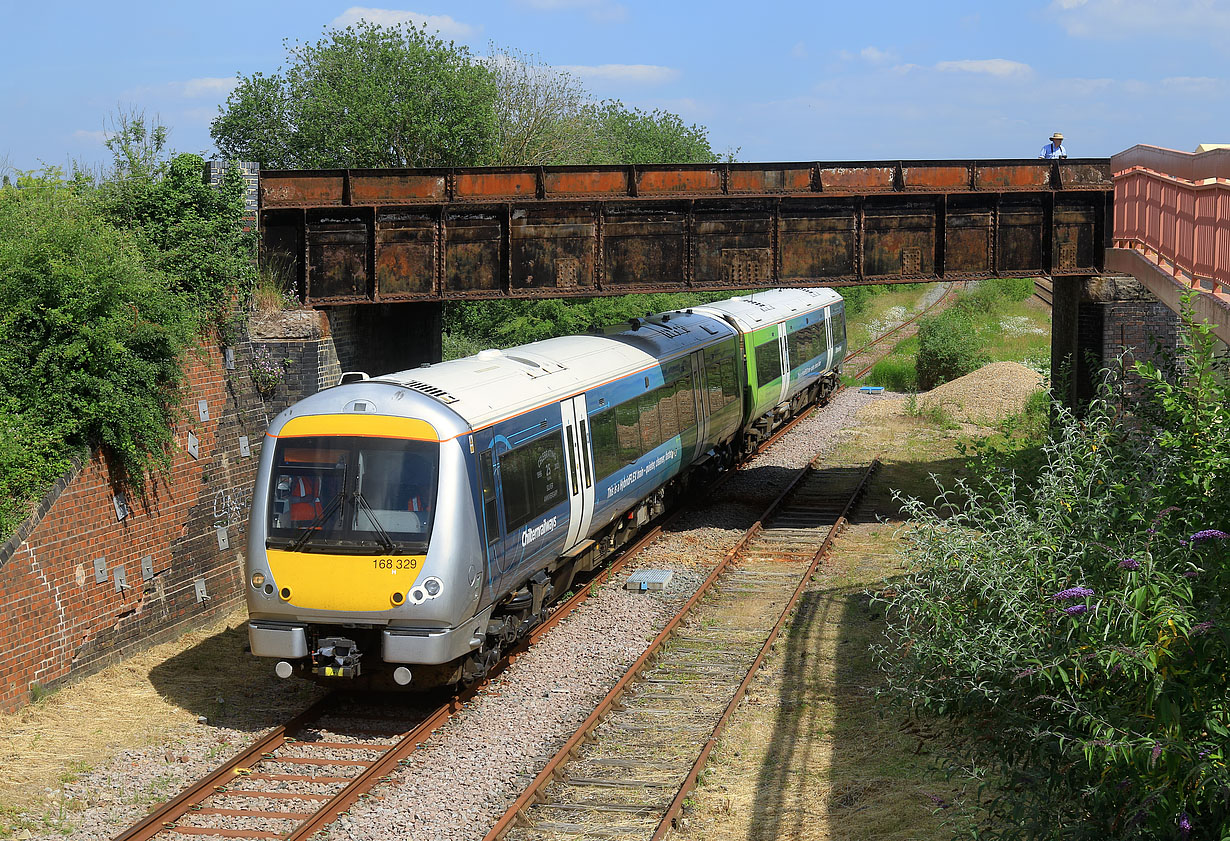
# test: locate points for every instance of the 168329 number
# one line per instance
(396, 563)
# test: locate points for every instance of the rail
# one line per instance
(1173, 208)
(794, 533)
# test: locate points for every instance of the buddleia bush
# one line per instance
(1074, 632)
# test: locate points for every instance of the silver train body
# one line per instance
(407, 528)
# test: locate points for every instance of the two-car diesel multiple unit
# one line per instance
(406, 528)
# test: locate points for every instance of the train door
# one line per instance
(577, 452)
(493, 518)
(830, 361)
(783, 352)
(700, 395)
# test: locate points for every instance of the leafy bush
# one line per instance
(948, 347)
(91, 336)
(1074, 631)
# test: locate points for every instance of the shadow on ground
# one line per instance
(220, 679)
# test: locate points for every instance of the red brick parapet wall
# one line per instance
(64, 620)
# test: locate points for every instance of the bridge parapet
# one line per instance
(384, 236)
(1172, 226)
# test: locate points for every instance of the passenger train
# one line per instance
(407, 528)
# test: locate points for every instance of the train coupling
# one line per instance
(336, 657)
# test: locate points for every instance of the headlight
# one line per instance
(433, 586)
(258, 578)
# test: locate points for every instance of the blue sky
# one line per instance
(775, 80)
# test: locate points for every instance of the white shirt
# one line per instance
(1050, 150)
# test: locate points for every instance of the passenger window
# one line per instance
(713, 379)
(685, 403)
(768, 362)
(730, 381)
(606, 447)
(651, 429)
(667, 410)
(490, 512)
(532, 478)
(628, 432)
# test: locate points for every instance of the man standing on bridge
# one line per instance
(1054, 149)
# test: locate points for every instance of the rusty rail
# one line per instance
(611, 700)
(689, 782)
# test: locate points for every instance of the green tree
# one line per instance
(189, 229)
(544, 116)
(364, 96)
(649, 137)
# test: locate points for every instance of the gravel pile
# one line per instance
(985, 396)
(463, 779)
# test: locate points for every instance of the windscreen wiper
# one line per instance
(386, 542)
(321, 519)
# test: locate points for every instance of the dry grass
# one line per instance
(155, 696)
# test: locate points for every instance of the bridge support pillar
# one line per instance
(382, 338)
(1094, 321)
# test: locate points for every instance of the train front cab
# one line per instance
(363, 547)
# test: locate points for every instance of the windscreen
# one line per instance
(352, 494)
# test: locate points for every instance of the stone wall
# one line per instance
(91, 576)
(1128, 321)
(301, 342)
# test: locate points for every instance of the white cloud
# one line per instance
(644, 74)
(1191, 84)
(876, 55)
(1000, 67)
(206, 86)
(799, 50)
(443, 24)
(1115, 19)
(90, 136)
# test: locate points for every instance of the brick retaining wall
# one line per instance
(64, 620)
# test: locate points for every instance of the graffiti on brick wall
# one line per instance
(230, 507)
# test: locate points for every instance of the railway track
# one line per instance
(1044, 291)
(298, 778)
(626, 770)
(865, 351)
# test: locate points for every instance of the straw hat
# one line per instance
(1057, 136)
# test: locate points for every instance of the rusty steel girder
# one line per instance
(379, 236)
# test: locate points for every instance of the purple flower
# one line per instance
(1129, 563)
(1072, 593)
(1209, 534)
(1076, 609)
(1185, 825)
(1197, 630)
(1157, 750)
(1191, 573)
